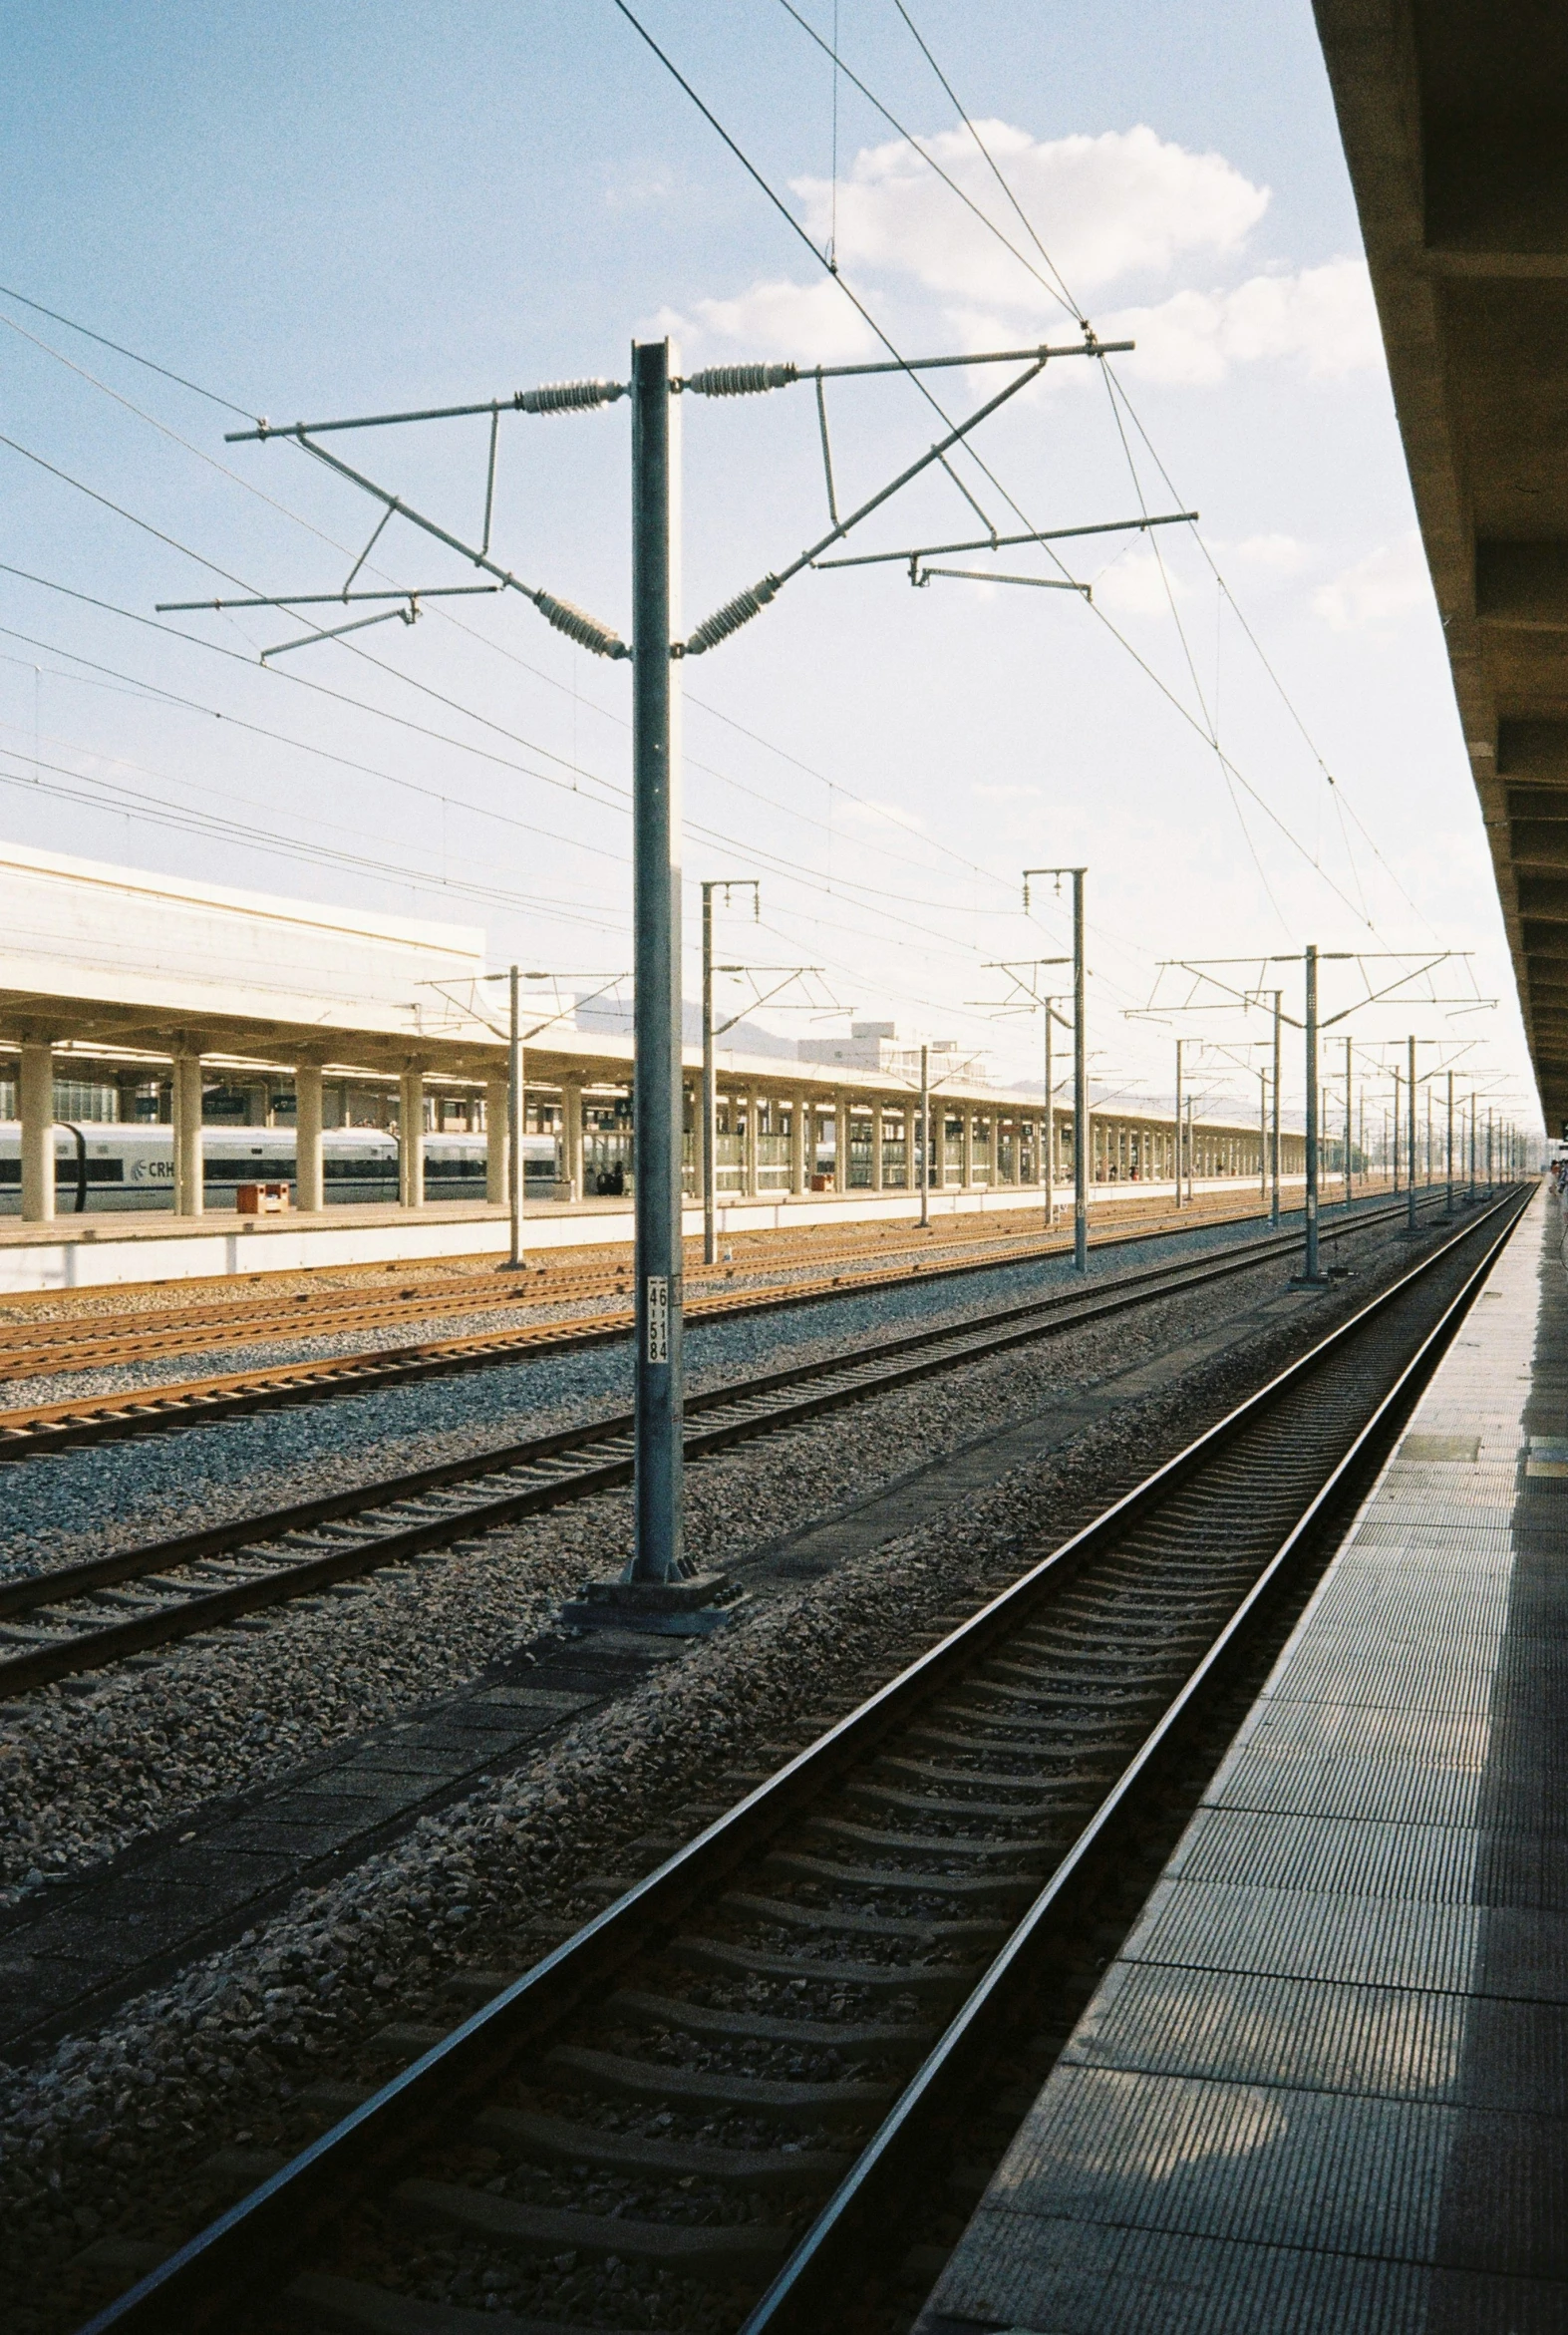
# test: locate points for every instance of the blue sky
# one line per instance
(331, 210)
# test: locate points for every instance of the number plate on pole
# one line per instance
(657, 1317)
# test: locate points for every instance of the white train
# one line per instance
(113, 1166)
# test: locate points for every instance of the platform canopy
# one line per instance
(115, 961)
(102, 954)
(1455, 116)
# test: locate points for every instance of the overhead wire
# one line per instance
(120, 350)
(224, 470)
(1117, 391)
(354, 648)
(867, 891)
(1058, 292)
(153, 692)
(1228, 764)
(869, 904)
(925, 392)
(1116, 400)
(1341, 801)
(830, 50)
(155, 808)
(216, 649)
(781, 865)
(1068, 298)
(163, 813)
(724, 777)
(1210, 719)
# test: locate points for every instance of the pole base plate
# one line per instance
(690, 1608)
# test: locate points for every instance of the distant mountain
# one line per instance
(742, 1038)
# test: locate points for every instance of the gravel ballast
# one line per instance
(107, 2137)
(91, 1763)
(85, 1502)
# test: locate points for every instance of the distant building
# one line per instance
(875, 1046)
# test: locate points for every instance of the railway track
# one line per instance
(31, 1432)
(32, 1347)
(78, 1617)
(736, 2089)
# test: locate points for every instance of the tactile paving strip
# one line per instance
(1324, 2087)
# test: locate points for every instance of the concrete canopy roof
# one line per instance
(1454, 118)
(97, 956)
(117, 963)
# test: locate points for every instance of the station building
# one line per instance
(130, 999)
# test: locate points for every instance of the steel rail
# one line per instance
(71, 1343)
(568, 1464)
(34, 1431)
(68, 1343)
(87, 1341)
(1132, 1206)
(829, 2259)
(247, 2253)
(94, 1342)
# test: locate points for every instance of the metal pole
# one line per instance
(1349, 1073)
(1178, 1122)
(515, 1115)
(1410, 1207)
(1312, 1273)
(1080, 1085)
(710, 1093)
(1049, 1173)
(1488, 1150)
(1449, 1208)
(1470, 1193)
(1263, 1133)
(656, 1090)
(1274, 1194)
(925, 1137)
(1397, 1129)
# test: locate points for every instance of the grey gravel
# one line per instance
(82, 1502)
(107, 2137)
(92, 1762)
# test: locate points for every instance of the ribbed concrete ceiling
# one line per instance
(1455, 117)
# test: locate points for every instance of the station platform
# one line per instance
(111, 1249)
(1323, 2090)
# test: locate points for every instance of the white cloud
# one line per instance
(1105, 208)
(1006, 794)
(1378, 589)
(1267, 554)
(813, 323)
(1134, 586)
(1125, 203)
(1323, 315)
(637, 194)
